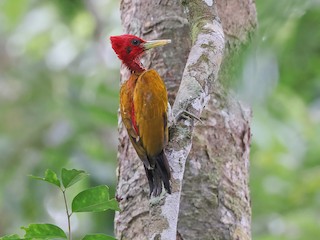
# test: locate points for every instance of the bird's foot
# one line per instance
(154, 200)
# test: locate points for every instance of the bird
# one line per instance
(144, 109)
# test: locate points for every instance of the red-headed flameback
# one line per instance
(143, 107)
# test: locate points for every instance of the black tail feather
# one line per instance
(150, 178)
(158, 175)
(162, 166)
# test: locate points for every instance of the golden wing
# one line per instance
(144, 106)
(128, 118)
(150, 101)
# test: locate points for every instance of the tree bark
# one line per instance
(215, 202)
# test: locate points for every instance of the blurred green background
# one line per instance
(59, 83)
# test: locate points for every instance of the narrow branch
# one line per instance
(200, 71)
(204, 60)
(67, 212)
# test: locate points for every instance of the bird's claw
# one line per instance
(154, 200)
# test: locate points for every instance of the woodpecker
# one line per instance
(143, 108)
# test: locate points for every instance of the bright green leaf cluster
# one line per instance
(50, 177)
(44, 231)
(68, 177)
(98, 237)
(95, 199)
(11, 237)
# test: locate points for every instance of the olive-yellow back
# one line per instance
(143, 107)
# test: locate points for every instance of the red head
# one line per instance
(129, 48)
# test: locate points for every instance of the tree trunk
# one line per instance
(215, 202)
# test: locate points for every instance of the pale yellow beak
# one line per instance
(155, 43)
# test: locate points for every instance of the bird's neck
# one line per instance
(135, 66)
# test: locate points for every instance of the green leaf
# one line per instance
(11, 237)
(94, 199)
(70, 177)
(44, 231)
(97, 237)
(50, 177)
(114, 204)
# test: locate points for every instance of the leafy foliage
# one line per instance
(70, 177)
(94, 199)
(10, 237)
(50, 177)
(98, 237)
(44, 231)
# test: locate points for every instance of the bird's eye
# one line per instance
(135, 42)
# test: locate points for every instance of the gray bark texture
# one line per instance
(209, 159)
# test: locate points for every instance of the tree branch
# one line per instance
(200, 72)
